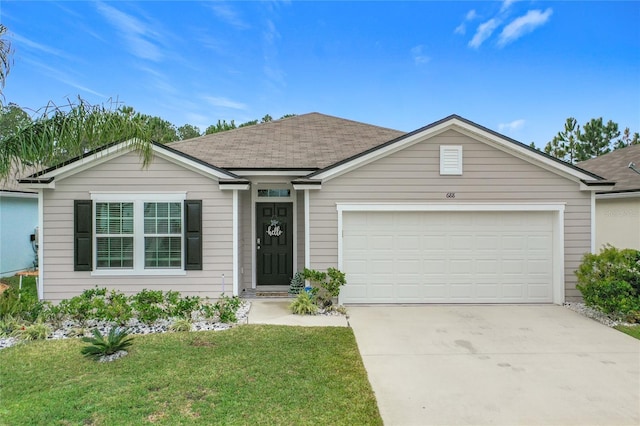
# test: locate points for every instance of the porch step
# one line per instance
(252, 293)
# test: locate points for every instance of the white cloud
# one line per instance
(419, 56)
(63, 77)
(506, 4)
(462, 28)
(523, 25)
(38, 46)
(271, 33)
(228, 15)
(271, 68)
(512, 126)
(224, 102)
(139, 36)
(483, 32)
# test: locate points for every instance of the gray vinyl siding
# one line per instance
(125, 174)
(412, 175)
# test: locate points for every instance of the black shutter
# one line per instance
(82, 235)
(193, 235)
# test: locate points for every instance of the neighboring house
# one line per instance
(449, 213)
(618, 209)
(18, 220)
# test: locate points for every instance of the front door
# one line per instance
(274, 244)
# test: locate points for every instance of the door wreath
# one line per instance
(274, 229)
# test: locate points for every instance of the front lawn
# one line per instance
(251, 374)
(633, 331)
(28, 284)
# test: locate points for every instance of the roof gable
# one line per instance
(469, 128)
(9, 184)
(46, 177)
(615, 166)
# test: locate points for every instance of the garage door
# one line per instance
(447, 257)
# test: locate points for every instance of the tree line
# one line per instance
(57, 133)
(577, 143)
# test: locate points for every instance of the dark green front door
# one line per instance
(274, 230)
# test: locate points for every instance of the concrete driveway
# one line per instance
(498, 365)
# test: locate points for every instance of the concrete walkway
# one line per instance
(497, 365)
(276, 311)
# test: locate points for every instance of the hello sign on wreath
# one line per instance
(274, 229)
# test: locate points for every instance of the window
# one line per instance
(450, 160)
(117, 235)
(114, 235)
(138, 234)
(274, 192)
(162, 235)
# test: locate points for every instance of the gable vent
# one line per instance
(450, 160)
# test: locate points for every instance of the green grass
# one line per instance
(28, 284)
(633, 331)
(249, 375)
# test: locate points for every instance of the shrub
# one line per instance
(226, 308)
(611, 297)
(326, 285)
(297, 283)
(610, 281)
(304, 304)
(54, 314)
(10, 303)
(181, 324)
(184, 307)
(148, 305)
(23, 305)
(8, 324)
(117, 308)
(336, 280)
(90, 304)
(100, 346)
(35, 331)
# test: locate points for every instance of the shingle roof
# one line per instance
(615, 166)
(10, 182)
(309, 141)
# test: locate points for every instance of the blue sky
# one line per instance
(517, 67)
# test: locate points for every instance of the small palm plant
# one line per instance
(304, 304)
(117, 340)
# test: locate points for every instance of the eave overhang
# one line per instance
(596, 185)
(231, 184)
(301, 184)
(30, 183)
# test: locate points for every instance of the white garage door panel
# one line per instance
(448, 257)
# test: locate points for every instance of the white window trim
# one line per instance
(450, 171)
(138, 199)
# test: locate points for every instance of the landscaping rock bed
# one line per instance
(588, 312)
(71, 329)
